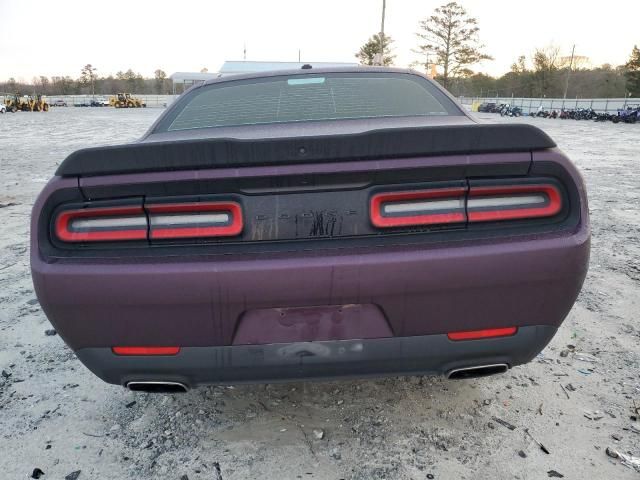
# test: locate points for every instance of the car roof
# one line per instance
(358, 125)
(310, 71)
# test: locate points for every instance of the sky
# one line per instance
(64, 35)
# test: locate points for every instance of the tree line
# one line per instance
(90, 83)
(449, 40)
(544, 74)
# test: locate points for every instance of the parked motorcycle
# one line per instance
(585, 114)
(630, 114)
(509, 111)
(604, 117)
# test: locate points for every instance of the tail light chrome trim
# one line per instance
(102, 224)
(194, 220)
(513, 202)
(421, 207)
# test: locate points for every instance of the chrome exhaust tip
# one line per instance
(477, 371)
(157, 387)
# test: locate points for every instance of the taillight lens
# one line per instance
(421, 207)
(486, 333)
(159, 221)
(512, 202)
(145, 350)
(194, 220)
(102, 224)
(461, 205)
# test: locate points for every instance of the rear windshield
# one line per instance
(302, 98)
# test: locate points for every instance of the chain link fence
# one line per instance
(528, 105)
(85, 100)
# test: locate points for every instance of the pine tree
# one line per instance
(369, 53)
(632, 73)
(451, 40)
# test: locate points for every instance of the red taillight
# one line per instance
(486, 333)
(423, 207)
(459, 205)
(102, 224)
(512, 202)
(146, 350)
(160, 221)
(194, 220)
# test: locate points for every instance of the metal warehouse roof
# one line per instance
(231, 67)
(192, 76)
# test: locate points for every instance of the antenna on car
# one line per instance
(306, 66)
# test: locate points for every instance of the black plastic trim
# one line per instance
(182, 250)
(420, 355)
(229, 152)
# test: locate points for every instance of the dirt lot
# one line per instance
(56, 416)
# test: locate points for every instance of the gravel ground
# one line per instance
(577, 398)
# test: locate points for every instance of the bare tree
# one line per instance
(44, 81)
(451, 39)
(160, 80)
(520, 65)
(12, 85)
(546, 63)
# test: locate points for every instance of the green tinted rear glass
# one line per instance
(300, 98)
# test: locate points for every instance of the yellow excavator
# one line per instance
(125, 100)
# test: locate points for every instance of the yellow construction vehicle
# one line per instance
(26, 103)
(38, 103)
(125, 100)
(13, 102)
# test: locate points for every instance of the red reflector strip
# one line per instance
(512, 202)
(195, 220)
(424, 207)
(102, 224)
(146, 350)
(487, 333)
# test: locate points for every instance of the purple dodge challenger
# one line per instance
(311, 224)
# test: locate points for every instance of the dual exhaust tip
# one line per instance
(464, 373)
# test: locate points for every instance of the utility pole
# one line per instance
(566, 84)
(384, 8)
(298, 55)
(244, 52)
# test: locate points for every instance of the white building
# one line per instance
(183, 80)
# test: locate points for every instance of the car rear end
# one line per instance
(336, 235)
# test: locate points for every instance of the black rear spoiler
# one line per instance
(226, 152)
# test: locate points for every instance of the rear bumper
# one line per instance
(422, 291)
(421, 355)
(419, 290)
